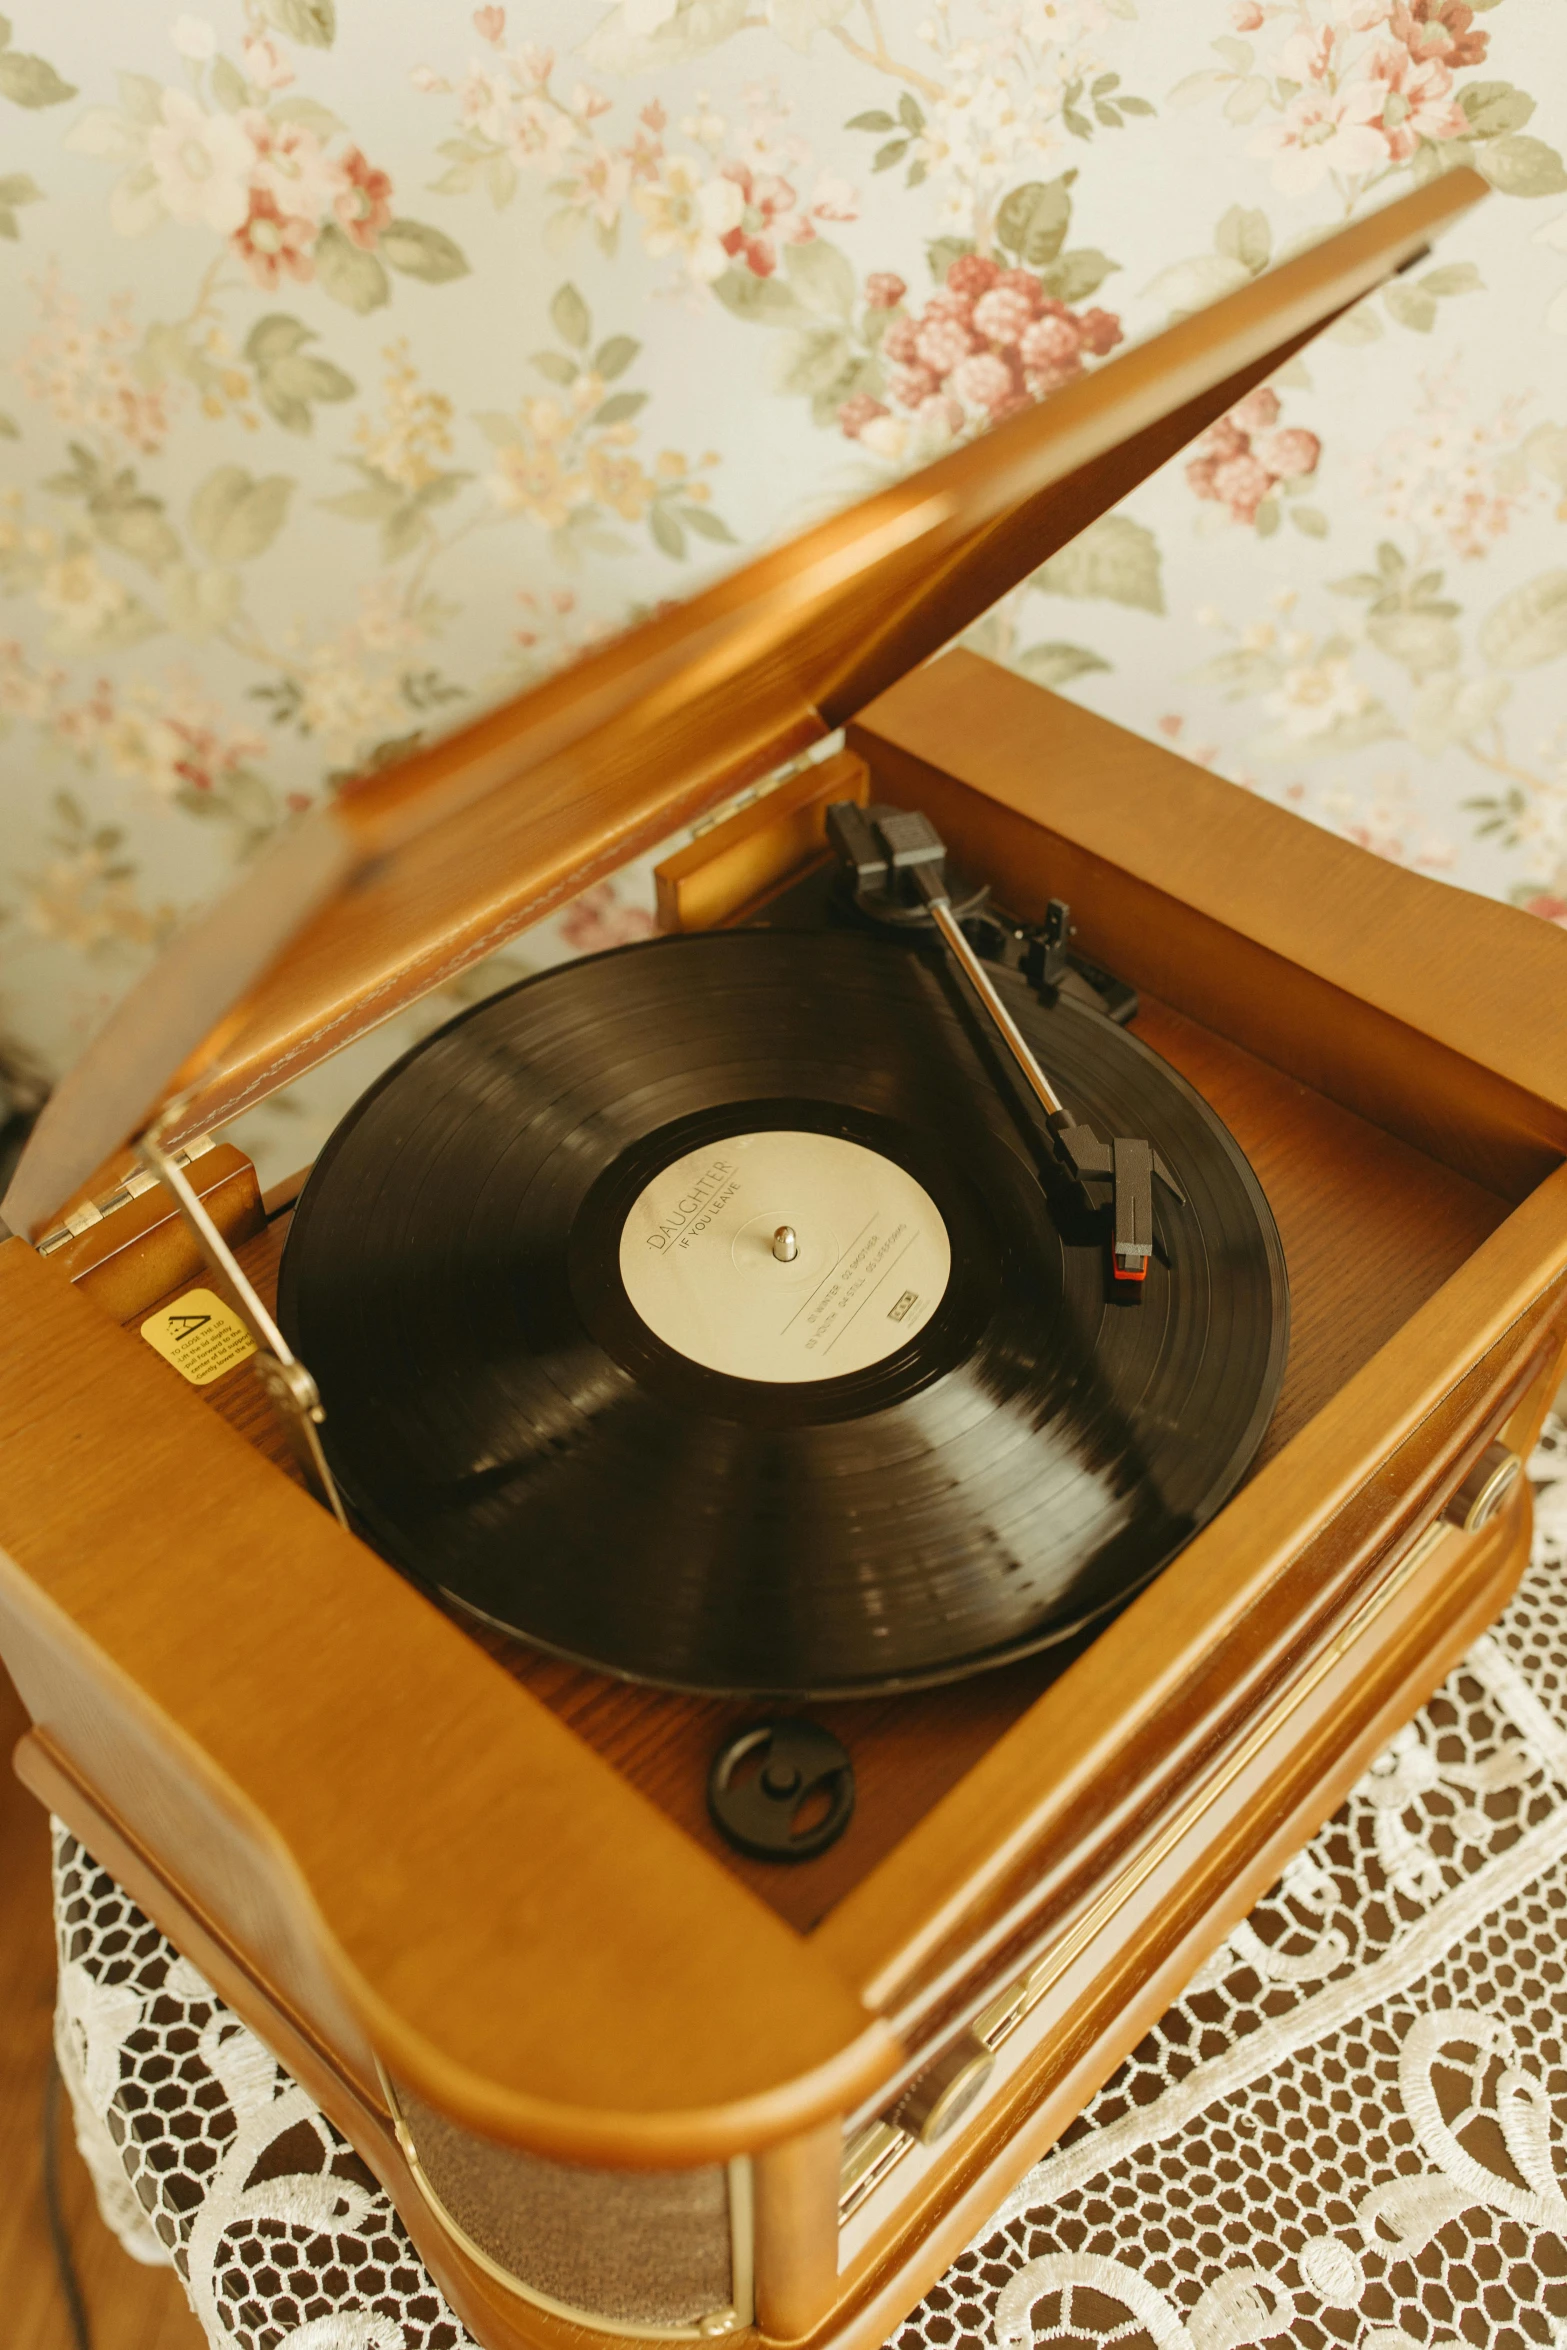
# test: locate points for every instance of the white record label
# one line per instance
(871, 1264)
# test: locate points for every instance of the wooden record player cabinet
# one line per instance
(617, 2079)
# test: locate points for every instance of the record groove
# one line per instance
(510, 1429)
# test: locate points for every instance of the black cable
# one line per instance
(59, 2236)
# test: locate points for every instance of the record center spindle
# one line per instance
(786, 1246)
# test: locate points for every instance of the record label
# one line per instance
(870, 1257)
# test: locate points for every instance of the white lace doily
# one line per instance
(1345, 2132)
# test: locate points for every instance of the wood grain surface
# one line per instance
(1356, 1274)
(1432, 1012)
(128, 2307)
(350, 1785)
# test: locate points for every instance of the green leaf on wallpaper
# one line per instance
(570, 317)
(1529, 626)
(795, 21)
(707, 524)
(612, 358)
(1244, 235)
(31, 81)
(288, 377)
(1311, 520)
(667, 533)
(1057, 664)
(1546, 450)
(1360, 325)
(229, 85)
(378, 501)
(1372, 724)
(1521, 167)
(1191, 285)
(1247, 98)
(1413, 301)
(856, 376)
(423, 252)
(941, 253)
(201, 603)
(1115, 560)
(234, 517)
(1034, 219)
(1241, 672)
(815, 361)
(875, 120)
(823, 277)
(401, 513)
(312, 22)
(556, 368)
(309, 113)
(135, 525)
(1421, 642)
(1494, 107)
(124, 516)
(10, 430)
(127, 623)
(619, 408)
(617, 45)
(1410, 306)
(1450, 710)
(765, 301)
(1078, 274)
(16, 188)
(1195, 87)
(350, 275)
(1454, 277)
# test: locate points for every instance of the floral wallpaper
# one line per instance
(364, 359)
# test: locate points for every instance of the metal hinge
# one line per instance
(139, 1181)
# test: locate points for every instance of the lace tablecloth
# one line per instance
(1345, 2132)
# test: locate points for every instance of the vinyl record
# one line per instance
(574, 1379)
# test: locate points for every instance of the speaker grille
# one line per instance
(633, 2248)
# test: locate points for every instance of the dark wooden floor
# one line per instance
(128, 2307)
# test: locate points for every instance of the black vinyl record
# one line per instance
(511, 1429)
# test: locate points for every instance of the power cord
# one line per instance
(59, 2235)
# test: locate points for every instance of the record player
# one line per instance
(827, 1498)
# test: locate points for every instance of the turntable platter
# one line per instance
(576, 1380)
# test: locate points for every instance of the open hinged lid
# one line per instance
(411, 875)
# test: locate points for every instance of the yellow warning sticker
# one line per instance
(200, 1335)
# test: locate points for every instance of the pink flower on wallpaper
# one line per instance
(988, 342)
(363, 204)
(1419, 103)
(773, 216)
(1241, 460)
(598, 920)
(1255, 413)
(1322, 131)
(275, 245)
(1444, 29)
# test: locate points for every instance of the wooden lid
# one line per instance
(411, 875)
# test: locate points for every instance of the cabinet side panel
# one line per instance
(1429, 1011)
